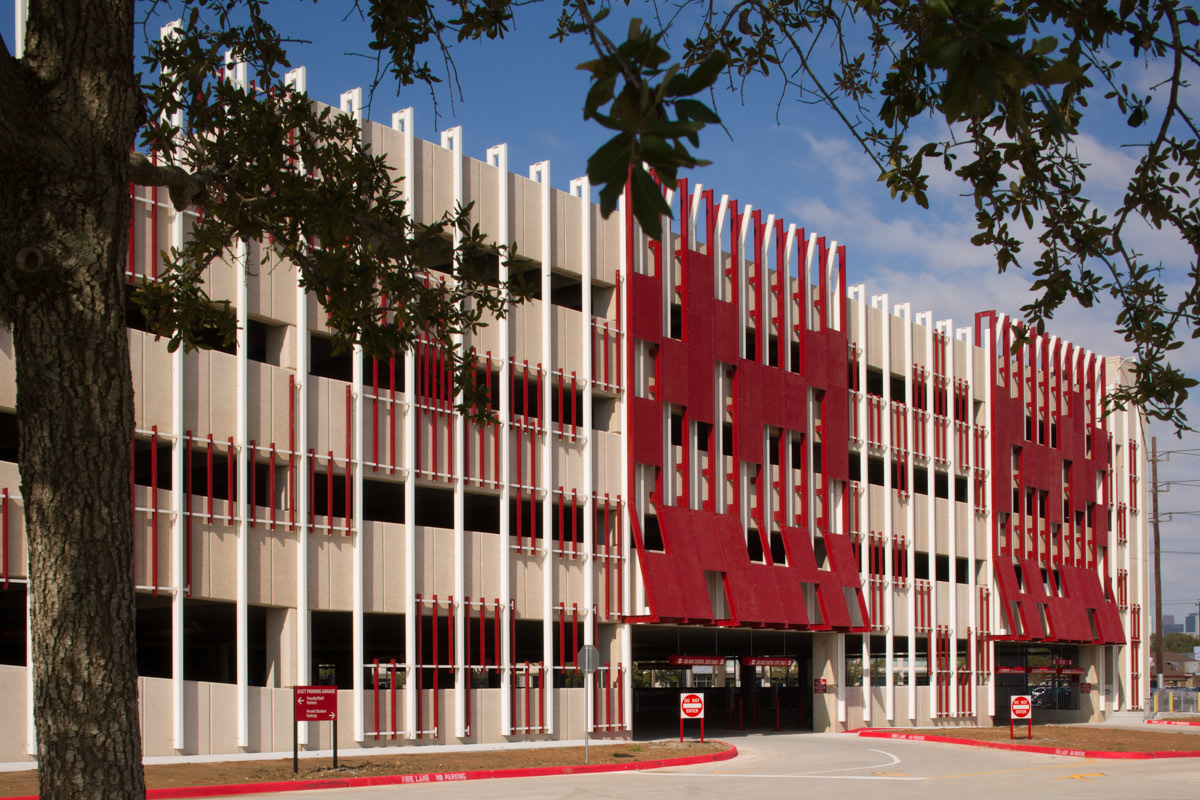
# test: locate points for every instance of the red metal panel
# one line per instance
(774, 407)
(842, 559)
(662, 585)
(699, 364)
(791, 596)
(680, 543)
(835, 430)
(700, 541)
(1057, 402)
(1010, 595)
(737, 566)
(698, 292)
(725, 332)
(843, 576)
(815, 356)
(1068, 615)
(709, 552)
(648, 431)
(748, 423)
(672, 371)
(765, 580)
(1083, 586)
(795, 402)
(646, 308)
(832, 600)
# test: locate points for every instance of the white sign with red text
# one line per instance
(1021, 706)
(691, 705)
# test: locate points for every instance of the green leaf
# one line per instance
(1063, 71)
(705, 74)
(648, 203)
(939, 8)
(694, 109)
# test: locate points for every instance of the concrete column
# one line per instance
(826, 649)
(281, 647)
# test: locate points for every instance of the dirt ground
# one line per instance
(353, 765)
(1072, 737)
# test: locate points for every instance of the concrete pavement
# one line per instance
(837, 766)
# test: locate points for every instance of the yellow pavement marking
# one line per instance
(1005, 771)
(1087, 776)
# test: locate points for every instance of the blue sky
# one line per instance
(794, 161)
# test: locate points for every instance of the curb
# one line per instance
(875, 733)
(1170, 722)
(230, 790)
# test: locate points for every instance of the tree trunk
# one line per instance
(71, 109)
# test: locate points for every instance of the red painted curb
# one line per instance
(1170, 722)
(876, 733)
(423, 778)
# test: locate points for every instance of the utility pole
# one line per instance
(1158, 613)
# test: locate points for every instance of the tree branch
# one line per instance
(184, 187)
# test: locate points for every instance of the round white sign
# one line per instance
(691, 705)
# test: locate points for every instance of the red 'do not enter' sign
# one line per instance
(691, 706)
(1021, 707)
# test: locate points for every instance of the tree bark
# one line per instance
(64, 216)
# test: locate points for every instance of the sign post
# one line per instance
(313, 704)
(691, 706)
(1020, 707)
(588, 659)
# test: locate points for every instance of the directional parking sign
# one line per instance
(316, 703)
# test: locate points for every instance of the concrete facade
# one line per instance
(840, 482)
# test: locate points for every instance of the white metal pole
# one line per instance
(298, 79)
(540, 172)
(497, 157)
(240, 439)
(354, 518)
(452, 139)
(964, 336)
(403, 121)
(22, 17)
(581, 188)
(351, 103)
(991, 351)
(178, 521)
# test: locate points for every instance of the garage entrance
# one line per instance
(751, 679)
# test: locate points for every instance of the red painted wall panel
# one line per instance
(725, 332)
(646, 447)
(1056, 434)
(672, 370)
(645, 308)
(696, 542)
